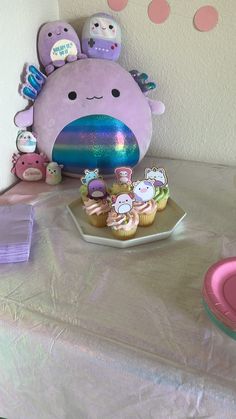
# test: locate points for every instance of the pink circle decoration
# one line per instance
(158, 11)
(117, 5)
(206, 18)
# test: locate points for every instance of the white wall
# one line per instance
(19, 23)
(195, 72)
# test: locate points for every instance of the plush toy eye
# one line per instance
(22, 162)
(111, 26)
(37, 161)
(126, 200)
(65, 30)
(115, 92)
(72, 95)
(96, 25)
(49, 34)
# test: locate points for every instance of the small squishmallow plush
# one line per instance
(101, 37)
(91, 114)
(26, 142)
(58, 43)
(30, 167)
(53, 173)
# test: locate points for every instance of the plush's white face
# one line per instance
(25, 137)
(53, 170)
(101, 27)
(157, 175)
(144, 191)
(123, 204)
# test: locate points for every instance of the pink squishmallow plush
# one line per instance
(58, 43)
(30, 166)
(93, 114)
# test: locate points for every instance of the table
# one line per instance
(93, 332)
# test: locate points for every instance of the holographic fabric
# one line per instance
(95, 332)
(95, 141)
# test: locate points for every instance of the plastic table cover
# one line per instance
(96, 332)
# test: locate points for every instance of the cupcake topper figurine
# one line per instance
(124, 175)
(122, 203)
(144, 190)
(157, 175)
(97, 189)
(89, 175)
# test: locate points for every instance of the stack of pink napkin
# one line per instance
(16, 225)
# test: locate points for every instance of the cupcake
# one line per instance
(118, 188)
(123, 183)
(83, 190)
(123, 226)
(161, 197)
(97, 211)
(144, 203)
(89, 175)
(146, 212)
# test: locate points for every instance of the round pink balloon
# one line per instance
(205, 18)
(158, 11)
(117, 5)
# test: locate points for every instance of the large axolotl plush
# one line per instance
(92, 114)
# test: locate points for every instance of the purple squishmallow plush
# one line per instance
(101, 37)
(58, 43)
(92, 114)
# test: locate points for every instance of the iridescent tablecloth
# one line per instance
(93, 332)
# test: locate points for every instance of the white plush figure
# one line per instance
(53, 173)
(26, 142)
(123, 203)
(157, 175)
(143, 190)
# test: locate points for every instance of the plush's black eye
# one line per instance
(37, 161)
(22, 162)
(65, 30)
(96, 25)
(115, 93)
(49, 34)
(111, 26)
(72, 95)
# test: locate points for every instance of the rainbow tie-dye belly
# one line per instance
(95, 141)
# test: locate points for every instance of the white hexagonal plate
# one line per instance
(165, 223)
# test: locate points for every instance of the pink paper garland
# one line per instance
(206, 18)
(117, 5)
(158, 11)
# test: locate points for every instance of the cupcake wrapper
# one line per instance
(162, 204)
(98, 220)
(147, 219)
(124, 234)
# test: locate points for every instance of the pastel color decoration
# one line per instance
(158, 11)
(30, 166)
(117, 5)
(58, 43)
(92, 114)
(219, 295)
(101, 37)
(206, 18)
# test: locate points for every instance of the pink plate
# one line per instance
(219, 291)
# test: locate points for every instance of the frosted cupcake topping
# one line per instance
(161, 193)
(145, 207)
(96, 207)
(122, 221)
